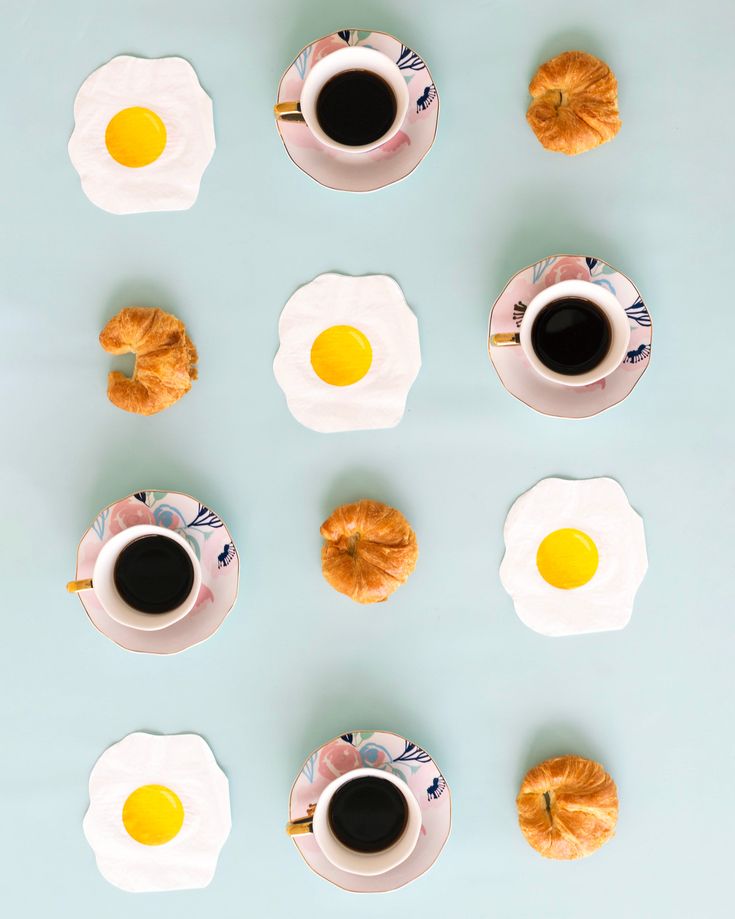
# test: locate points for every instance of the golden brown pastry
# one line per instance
(165, 359)
(575, 103)
(567, 807)
(369, 550)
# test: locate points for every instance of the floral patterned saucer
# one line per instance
(386, 164)
(392, 753)
(554, 398)
(210, 540)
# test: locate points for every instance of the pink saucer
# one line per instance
(379, 750)
(554, 398)
(386, 164)
(213, 545)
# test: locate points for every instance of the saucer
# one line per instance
(386, 164)
(209, 538)
(392, 753)
(556, 399)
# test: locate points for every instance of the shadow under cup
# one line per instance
(367, 821)
(146, 577)
(353, 100)
(575, 333)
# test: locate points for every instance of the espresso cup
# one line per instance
(618, 331)
(321, 822)
(344, 61)
(103, 583)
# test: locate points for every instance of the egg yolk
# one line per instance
(153, 814)
(341, 355)
(567, 558)
(135, 137)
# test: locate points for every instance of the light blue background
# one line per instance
(446, 661)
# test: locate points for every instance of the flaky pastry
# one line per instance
(369, 550)
(567, 807)
(575, 103)
(165, 359)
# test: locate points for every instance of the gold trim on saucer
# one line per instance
(110, 505)
(332, 880)
(558, 255)
(350, 191)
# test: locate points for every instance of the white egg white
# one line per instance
(185, 764)
(375, 305)
(599, 508)
(167, 86)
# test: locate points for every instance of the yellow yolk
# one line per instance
(567, 558)
(153, 814)
(135, 137)
(341, 355)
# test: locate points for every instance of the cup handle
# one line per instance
(75, 586)
(300, 827)
(504, 339)
(288, 111)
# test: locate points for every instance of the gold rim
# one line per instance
(410, 880)
(135, 650)
(497, 372)
(361, 191)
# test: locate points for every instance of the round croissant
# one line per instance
(575, 103)
(165, 359)
(567, 807)
(369, 550)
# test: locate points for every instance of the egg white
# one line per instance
(375, 305)
(167, 86)
(599, 508)
(185, 764)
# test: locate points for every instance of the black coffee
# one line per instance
(356, 107)
(571, 335)
(368, 814)
(153, 574)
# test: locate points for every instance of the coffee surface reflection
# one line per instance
(356, 107)
(571, 335)
(154, 574)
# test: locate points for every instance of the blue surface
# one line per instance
(446, 661)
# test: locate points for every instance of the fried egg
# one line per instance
(575, 555)
(143, 135)
(349, 353)
(159, 812)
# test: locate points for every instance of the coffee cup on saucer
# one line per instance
(366, 822)
(352, 100)
(573, 332)
(145, 577)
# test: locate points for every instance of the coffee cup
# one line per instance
(353, 100)
(366, 821)
(145, 577)
(573, 332)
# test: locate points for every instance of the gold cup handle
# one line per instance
(288, 111)
(300, 827)
(75, 586)
(504, 339)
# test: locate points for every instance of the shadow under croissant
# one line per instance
(557, 739)
(569, 39)
(357, 483)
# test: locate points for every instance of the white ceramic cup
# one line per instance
(102, 581)
(363, 863)
(586, 290)
(337, 62)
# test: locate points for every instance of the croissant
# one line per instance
(575, 103)
(165, 359)
(369, 550)
(567, 807)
